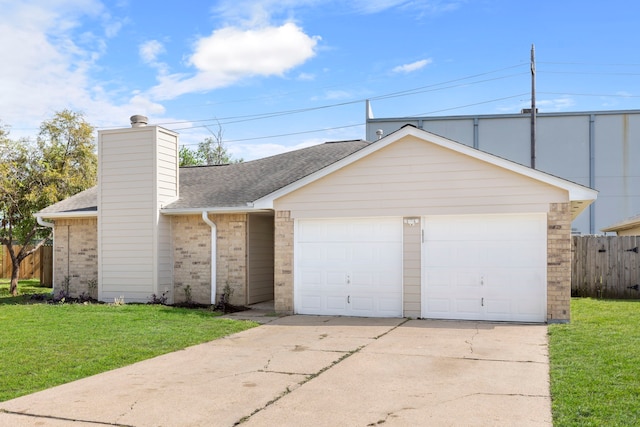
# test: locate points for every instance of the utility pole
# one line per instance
(533, 106)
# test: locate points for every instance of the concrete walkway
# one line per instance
(318, 371)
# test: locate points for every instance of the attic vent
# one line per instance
(139, 121)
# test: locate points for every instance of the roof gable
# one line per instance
(579, 196)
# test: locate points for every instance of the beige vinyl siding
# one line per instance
(411, 266)
(261, 258)
(630, 232)
(167, 192)
(167, 166)
(137, 174)
(412, 177)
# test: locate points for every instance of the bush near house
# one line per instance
(595, 362)
(44, 345)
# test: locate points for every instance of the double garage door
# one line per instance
(474, 267)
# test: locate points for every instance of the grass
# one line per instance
(595, 364)
(28, 286)
(44, 345)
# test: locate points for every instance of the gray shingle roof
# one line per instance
(234, 185)
(85, 201)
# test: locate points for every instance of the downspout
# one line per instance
(214, 254)
(50, 225)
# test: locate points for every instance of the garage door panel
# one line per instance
(467, 308)
(360, 261)
(311, 278)
(335, 279)
(311, 302)
(489, 267)
(335, 303)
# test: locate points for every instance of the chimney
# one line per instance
(138, 121)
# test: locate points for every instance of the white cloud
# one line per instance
(418, 8)
(306, 77)
(414, 66)
(552, 105)
(150, 50)
(51, 48)
(231, 53)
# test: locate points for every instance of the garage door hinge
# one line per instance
(482, 302)
(422, 236)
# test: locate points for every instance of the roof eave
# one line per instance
(230, 209)
(621, 227)
(66, 214)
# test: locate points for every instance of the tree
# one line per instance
(60, 164)
(211, 151)
(189, 157)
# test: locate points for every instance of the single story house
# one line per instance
(412, 225)
(627, 227)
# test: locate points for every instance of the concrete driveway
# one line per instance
(319, 371)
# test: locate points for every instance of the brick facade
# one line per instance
(192, 257)
(283, 268)
(558, 263)
(75, 255)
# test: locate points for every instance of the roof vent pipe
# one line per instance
(138, 121)
(379, 132)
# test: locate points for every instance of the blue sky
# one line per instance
(283, 74)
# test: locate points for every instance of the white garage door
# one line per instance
(485, 267)
(350, 267)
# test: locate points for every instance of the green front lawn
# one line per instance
(43, 345)
(28, 286)
(595, 364)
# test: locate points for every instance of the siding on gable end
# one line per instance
(413, 177)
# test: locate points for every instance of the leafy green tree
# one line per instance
(60, 164)
(211, 151)
(189, 157)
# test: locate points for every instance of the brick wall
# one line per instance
(192, 257)
(75, 255)
(283, 268)
(558, 263)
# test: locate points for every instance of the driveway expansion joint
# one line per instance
(74, 420)
(316, 374)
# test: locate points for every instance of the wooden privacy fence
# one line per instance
(38, 265)
(605, 267)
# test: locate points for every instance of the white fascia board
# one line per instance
(576, 191)
(193, 211)
(55, 215)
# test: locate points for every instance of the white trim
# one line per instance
(192, 211)
(576, 191)
(70, 214)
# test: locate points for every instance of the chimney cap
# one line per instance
(139, 121)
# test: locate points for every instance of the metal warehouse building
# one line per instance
(599, 149)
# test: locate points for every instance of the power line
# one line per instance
(284, 134)
(408, 92)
